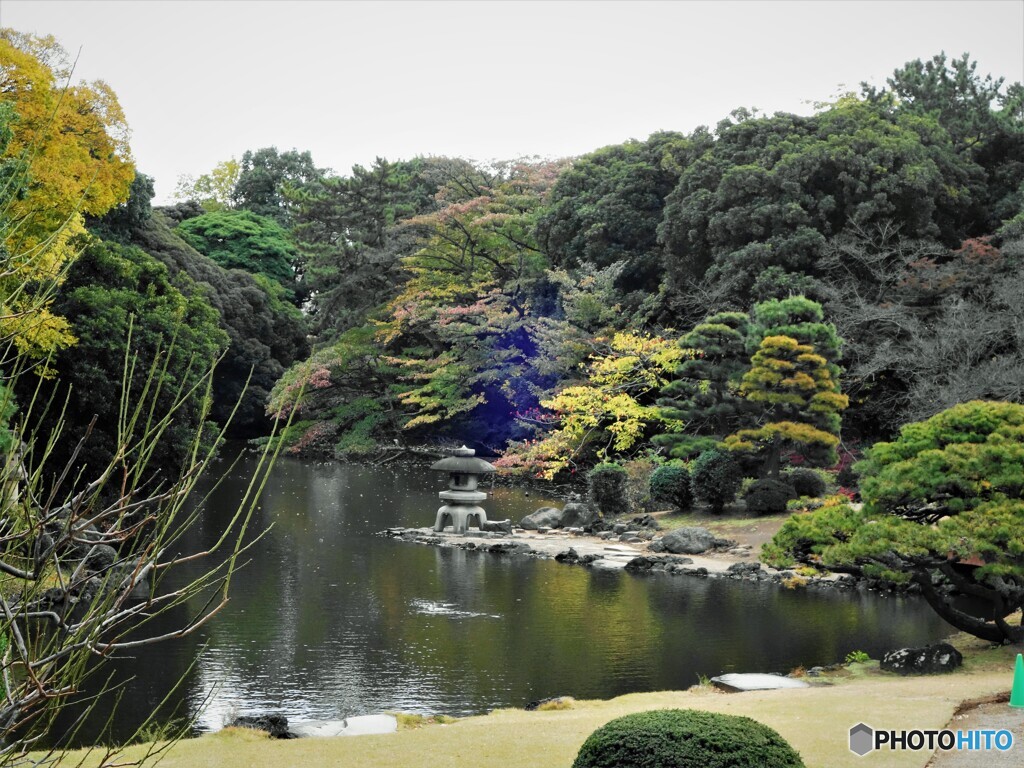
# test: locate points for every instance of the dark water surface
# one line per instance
(329, 620)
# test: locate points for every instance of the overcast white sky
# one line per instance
(202, 81)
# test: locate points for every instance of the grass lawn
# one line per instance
(814, 720)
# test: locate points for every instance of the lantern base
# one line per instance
(459, 516)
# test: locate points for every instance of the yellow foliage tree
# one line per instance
(611, 412)
(75, 140)
(211, 190)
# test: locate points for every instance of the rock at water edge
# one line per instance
(545, 517)
(930, 660)
(691, 541)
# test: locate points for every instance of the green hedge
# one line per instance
(768, 497)
(806, 482)
(715, 478)
(607, 485)
(670, 484)
(685, 738)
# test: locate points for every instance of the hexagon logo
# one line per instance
(862, 739)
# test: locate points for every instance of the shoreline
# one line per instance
(575, 547)
(517, 738)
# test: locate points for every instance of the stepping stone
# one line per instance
(608, 564)
(351, 726)
(755, 681)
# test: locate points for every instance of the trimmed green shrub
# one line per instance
(806, 482)
(768, 497)
(685, 738)
(607, 486)
(715, 477)
(670, 484)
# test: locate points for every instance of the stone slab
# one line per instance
(738, 682)
(609, 564)
(363, 725)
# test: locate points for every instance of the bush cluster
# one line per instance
(768, 497)
(806, 482)
(715, 477)
(685, 738)
(607, 486)
(670, 484)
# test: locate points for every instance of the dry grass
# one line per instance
(562, 702)
(408, 721)
(814, 720)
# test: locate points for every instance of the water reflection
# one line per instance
(329, 620)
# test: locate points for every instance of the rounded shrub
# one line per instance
(806, 482)
(685, 738)
(607, 486)
(768, 497)
(715, 476)
(670, 484)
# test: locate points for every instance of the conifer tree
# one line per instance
(705, 393)
(799, 405)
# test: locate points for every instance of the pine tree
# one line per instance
(705, 392)
(799, 405)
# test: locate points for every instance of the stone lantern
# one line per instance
(462, 496)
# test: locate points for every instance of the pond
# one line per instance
(329, 620)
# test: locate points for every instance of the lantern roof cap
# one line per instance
(463, 461)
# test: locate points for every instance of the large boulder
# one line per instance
(576, 514)
(691, 541)
(545, 517)
(930, 660)
(100, 558)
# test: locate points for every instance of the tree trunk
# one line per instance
(772, 467)
(997, 631)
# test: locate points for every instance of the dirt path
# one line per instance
(745, 530)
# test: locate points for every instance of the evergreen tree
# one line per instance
(944, 509)
(799, 405)
(704, 394)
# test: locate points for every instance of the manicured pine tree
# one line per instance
(798, 403)
(801, 319)
(705, 392)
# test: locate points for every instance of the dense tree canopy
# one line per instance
(126, 308)
(984, 121)
(481, 289)
(266, 333)
(266, 175)
(350, 246)
(772, 191)
(605, 207)
(244, 240)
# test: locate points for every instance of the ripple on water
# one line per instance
(450, 610)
